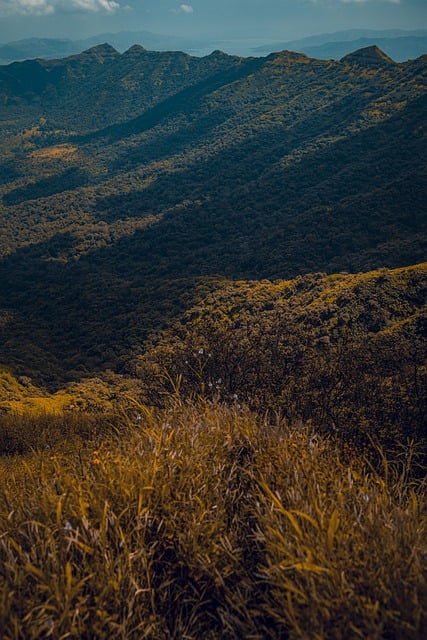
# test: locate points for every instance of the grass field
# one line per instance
(206, 521)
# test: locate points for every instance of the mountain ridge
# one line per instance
(140, 79)
(371, 56)
(401, 45)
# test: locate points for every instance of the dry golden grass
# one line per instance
(64, 151)
(202, 521)
(40, 404)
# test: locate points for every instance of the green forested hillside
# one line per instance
(346, 352)
(128, 180)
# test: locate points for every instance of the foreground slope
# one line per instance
(208, 522)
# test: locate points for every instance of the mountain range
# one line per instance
(399, 44)
(49, 48)
(132, 183)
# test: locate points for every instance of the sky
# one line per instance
(263, 19)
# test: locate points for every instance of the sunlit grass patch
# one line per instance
(48, 430)
(61, 151)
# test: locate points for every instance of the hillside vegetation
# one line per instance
(344, 352)
(126, 179)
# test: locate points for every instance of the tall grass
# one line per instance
(22, 433)
(202, 521)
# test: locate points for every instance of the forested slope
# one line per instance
(129, 179)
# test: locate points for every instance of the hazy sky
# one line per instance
(270, 19)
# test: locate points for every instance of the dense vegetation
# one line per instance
(125, 179)
(345, 352)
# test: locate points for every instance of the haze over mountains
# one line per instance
(131, 182)
(399, 44)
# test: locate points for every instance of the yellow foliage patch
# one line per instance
(64, 151)
(40, 405)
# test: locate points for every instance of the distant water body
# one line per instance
(243, 47)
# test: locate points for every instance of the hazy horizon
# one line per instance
(203, 19)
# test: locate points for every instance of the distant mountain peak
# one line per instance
(371, 56)
(135, 48)
(102, 52)
(218, 54)
(421, 60)
(288, 56)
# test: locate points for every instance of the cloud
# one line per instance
(46, 7)
(183, 8)
(186, 8)
(22, 7)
